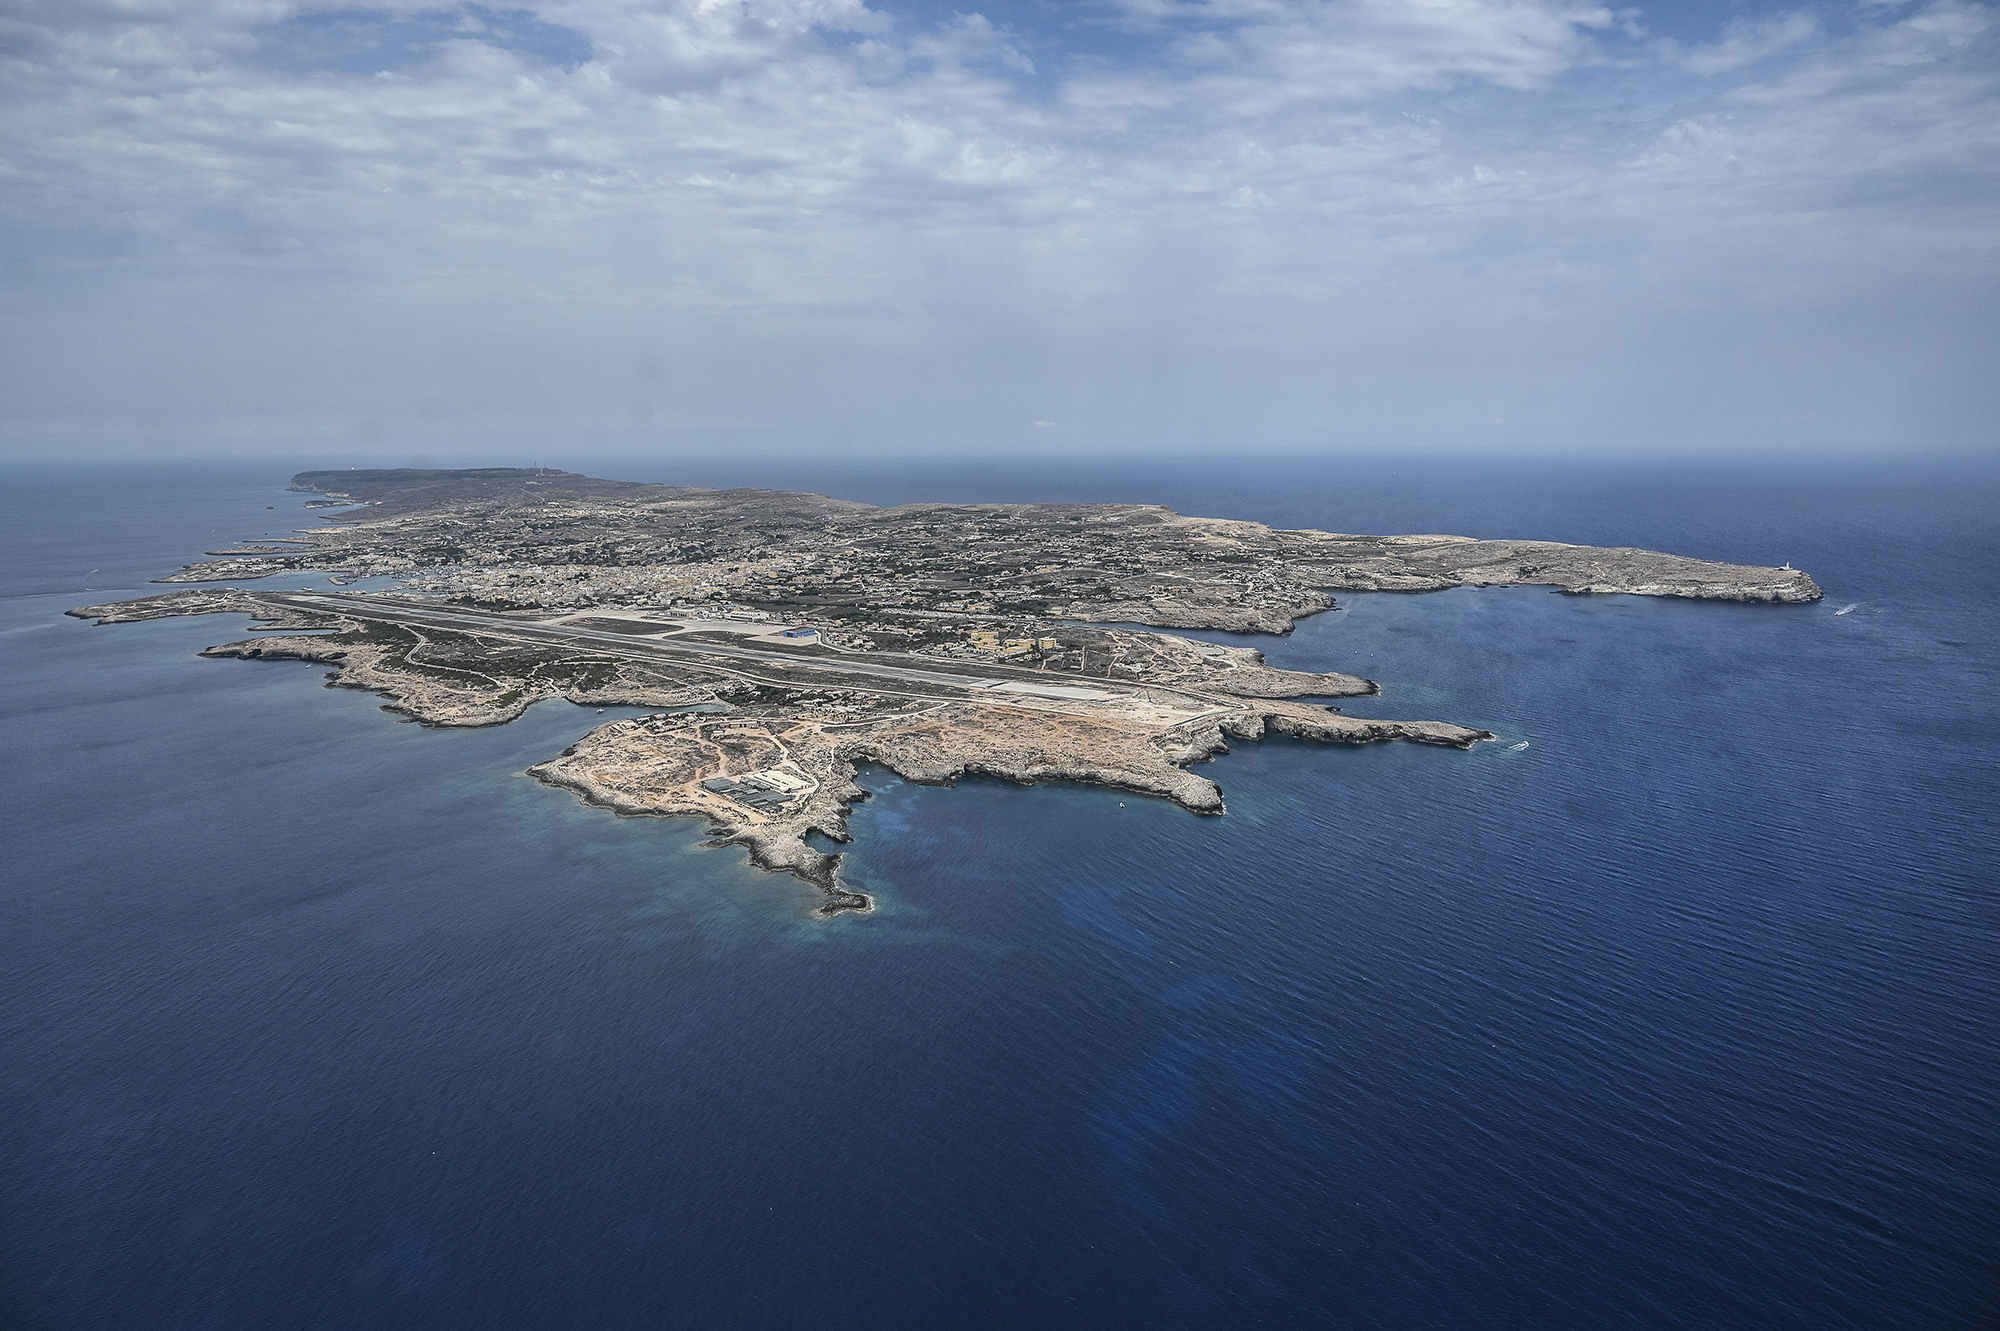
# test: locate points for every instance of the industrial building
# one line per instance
(766, 791)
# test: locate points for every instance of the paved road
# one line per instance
(660, 649)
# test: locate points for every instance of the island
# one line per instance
(782, 640)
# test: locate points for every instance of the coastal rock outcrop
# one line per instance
(667, 766)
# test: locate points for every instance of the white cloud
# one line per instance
(1745, 42)
(1257, 190)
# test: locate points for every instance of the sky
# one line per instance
(1112, 227)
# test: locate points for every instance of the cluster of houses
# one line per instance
(989, 640)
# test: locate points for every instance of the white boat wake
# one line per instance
(1847, 608)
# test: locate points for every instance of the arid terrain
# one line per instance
(785, 639)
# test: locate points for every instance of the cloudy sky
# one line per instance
(1259, 225)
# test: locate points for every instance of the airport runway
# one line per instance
(666, 650)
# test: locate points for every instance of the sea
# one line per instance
(1674, 1007)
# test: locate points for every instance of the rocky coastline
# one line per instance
(938, 642)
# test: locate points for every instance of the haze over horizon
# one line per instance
(381, 231)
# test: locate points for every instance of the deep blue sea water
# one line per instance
(1683, 1016)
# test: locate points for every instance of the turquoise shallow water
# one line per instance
(1680, 1017)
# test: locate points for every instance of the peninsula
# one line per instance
(784, 638)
